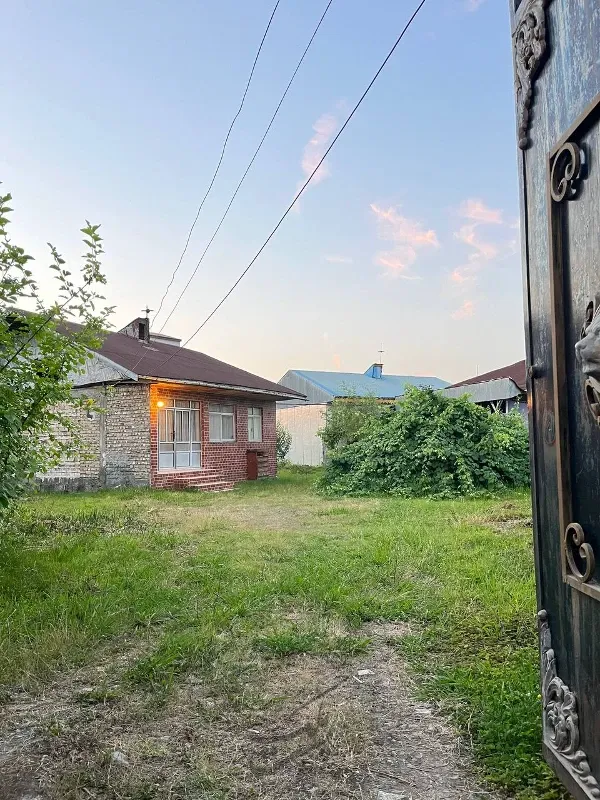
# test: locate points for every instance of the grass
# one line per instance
(214, 583)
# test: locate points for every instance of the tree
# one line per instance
(433, 446)
(345, 418)
(40, 350)
(283, 443)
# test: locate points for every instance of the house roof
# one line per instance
(165, 362)
(341, 384)
(516, 372)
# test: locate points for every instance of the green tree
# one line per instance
(40, 351)
(433, 446)
(283, 443)
(346, 416)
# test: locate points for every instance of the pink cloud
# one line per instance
(482, 250)
(407, 236)
(323, 130)
(398, 228)
(485, 250)
(466, 310)
(461, 275)
(477, 211)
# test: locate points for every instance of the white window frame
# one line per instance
(180, 414)
(217, 411)
(255, 413)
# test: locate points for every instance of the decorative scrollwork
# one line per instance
(566, 173)
(580, 554)
(530, 47)
(561, 719)
(587, 351)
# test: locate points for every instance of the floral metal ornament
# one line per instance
(561, 719)
(530, 52)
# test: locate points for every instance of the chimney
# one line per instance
(377, 371)
(144, 325)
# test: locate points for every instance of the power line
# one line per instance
(256, 152)
(305, 184)
(218, 167)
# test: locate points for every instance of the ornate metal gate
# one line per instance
(556, 47)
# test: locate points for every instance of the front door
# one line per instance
(556, 46)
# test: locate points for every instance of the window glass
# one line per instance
(255, 424)
(227, 427)
(195, 425)
(165, 461)
(214, 425)
(221, 422)
(179, 444)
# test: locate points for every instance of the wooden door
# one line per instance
(556, 45)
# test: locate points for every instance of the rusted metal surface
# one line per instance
(560, 217)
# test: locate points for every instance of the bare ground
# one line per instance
(302, 727)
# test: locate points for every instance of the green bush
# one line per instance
(283, 443)
(433, 446)
(346, 417)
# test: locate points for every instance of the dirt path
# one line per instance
(305, 727)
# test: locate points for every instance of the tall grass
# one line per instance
(274, 569)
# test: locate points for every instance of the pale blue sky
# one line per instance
(116, 112)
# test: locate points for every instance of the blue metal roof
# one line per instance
(342, 384)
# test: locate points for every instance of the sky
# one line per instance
(406, 240)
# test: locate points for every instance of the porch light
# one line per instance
(160, 403)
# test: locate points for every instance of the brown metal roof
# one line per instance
(168, 362)
(516, 372)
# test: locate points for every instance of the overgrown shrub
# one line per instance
(283, 443)
(346, 417)
(433, 446)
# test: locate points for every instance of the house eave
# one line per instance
(234, 388)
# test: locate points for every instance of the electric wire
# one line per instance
(218, 167)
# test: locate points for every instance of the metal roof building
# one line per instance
(304, 418)
(501, 389)
(324, 387)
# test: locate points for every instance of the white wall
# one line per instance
(303, 422)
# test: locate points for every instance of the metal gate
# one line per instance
(556, 46)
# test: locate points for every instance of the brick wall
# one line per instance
(116, 442)
(229, 458)
(121, 444)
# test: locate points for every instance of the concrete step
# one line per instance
(212, 486)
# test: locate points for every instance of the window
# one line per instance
(179, 434)
(221, 422)
(255, 424)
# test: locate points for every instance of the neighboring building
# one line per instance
(303, 418)
(499, 390)
(172, 418)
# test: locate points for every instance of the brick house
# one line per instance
(171, 418)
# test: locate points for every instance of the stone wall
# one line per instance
(126, 446)
(116, 442)
(81, 470)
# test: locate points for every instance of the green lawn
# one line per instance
(273, 569)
